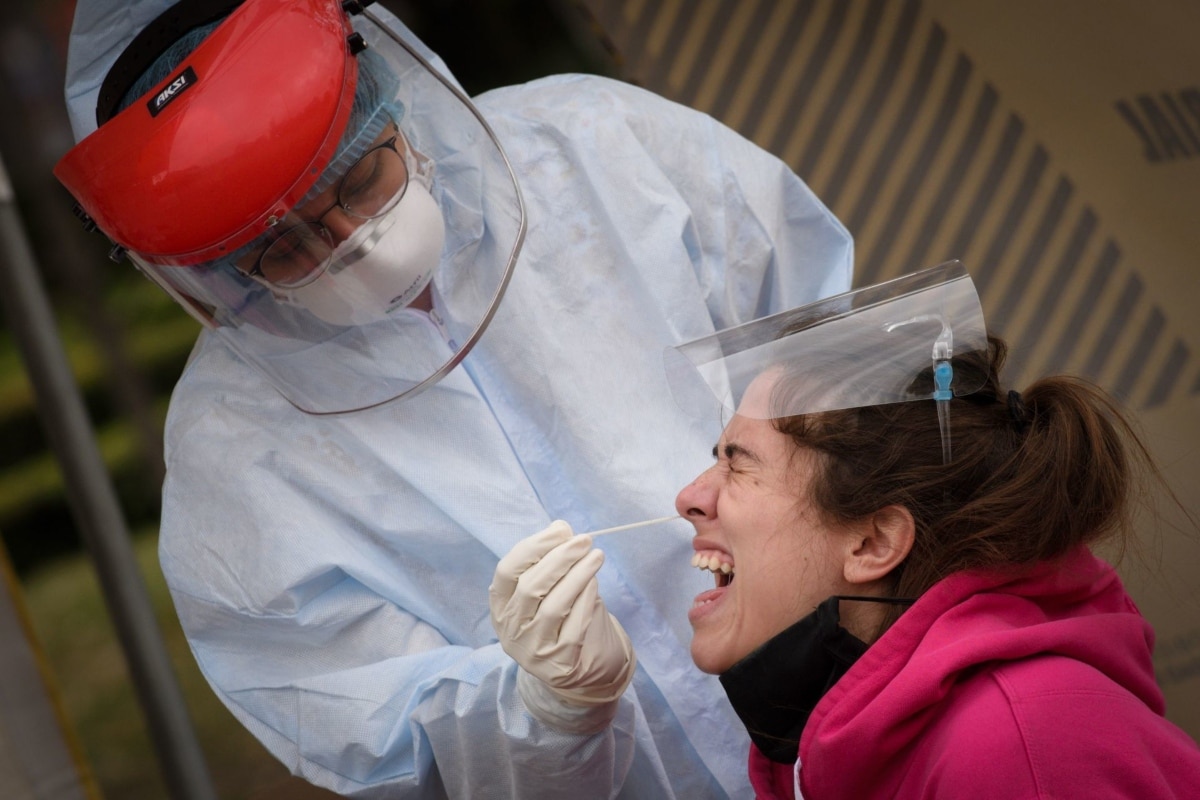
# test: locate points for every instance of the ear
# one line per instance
(880, 544)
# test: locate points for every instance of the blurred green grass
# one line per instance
(67, 611)
(156, 335)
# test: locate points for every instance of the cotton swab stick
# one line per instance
(603, 531)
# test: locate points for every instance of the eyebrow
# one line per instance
(731, 449)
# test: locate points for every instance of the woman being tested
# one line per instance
(906, 604)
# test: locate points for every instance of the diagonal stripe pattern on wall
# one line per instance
(871, 102)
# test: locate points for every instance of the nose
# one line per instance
(697, 501)
(340, 224)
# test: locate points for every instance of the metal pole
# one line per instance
(96, 510)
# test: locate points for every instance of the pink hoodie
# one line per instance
(1038, 686)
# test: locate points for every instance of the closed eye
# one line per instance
(733, 452)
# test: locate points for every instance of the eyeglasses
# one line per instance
(371, 187)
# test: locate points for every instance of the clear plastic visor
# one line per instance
(867, 347)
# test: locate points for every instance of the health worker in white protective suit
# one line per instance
(409, 364)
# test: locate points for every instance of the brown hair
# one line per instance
(1032, 476)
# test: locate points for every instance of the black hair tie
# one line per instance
(1018, 411)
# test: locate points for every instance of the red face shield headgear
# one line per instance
(229, 142)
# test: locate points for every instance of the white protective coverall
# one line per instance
(331, 572)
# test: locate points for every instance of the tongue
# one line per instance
(711, 594)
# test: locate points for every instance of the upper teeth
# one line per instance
(712, 563)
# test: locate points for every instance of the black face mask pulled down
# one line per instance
(775, 688)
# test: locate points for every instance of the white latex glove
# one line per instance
(547, 611)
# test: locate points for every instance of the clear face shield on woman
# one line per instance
(888, 343)
(300, 219)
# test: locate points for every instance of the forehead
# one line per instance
(760, 441)
(756, 399)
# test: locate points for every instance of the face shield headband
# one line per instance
(889, 343)
(342, 340)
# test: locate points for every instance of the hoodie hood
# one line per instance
(892, 698)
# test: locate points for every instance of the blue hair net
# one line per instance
(166, 63)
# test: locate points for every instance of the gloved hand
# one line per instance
(575, 657)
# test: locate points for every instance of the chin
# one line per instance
(711, 663)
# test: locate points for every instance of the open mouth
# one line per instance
(718, 563)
